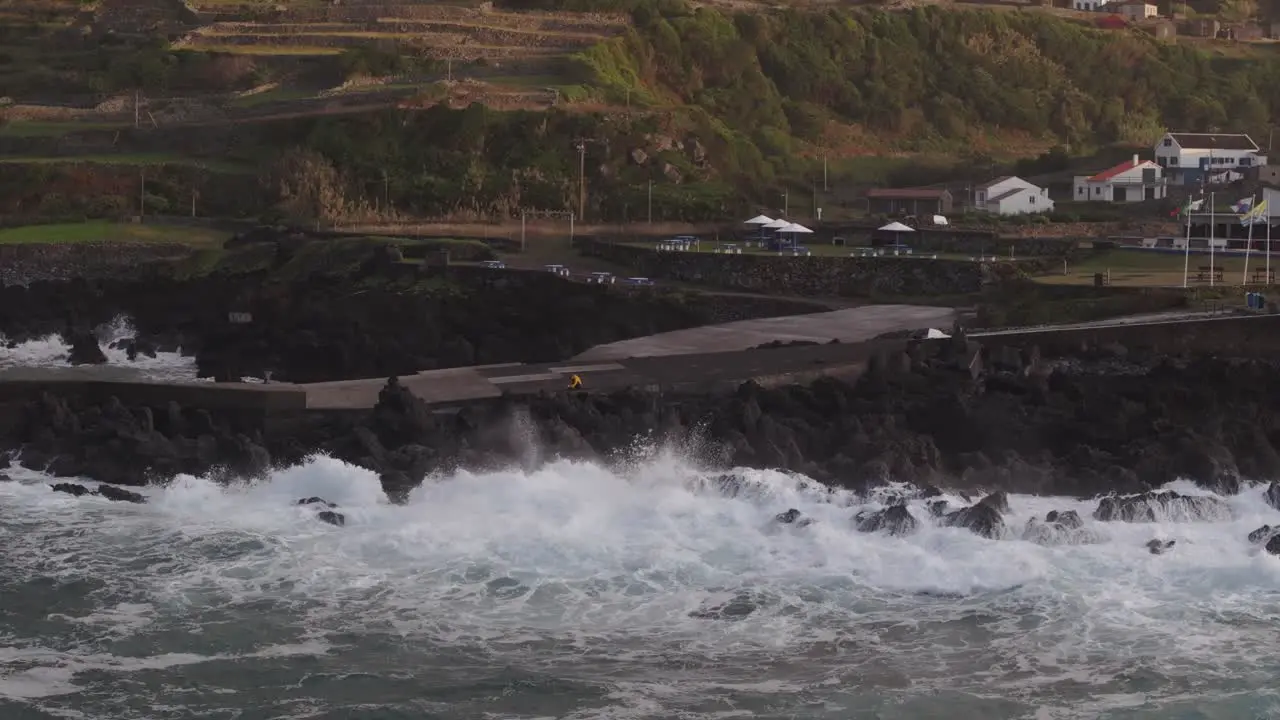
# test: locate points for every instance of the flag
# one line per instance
(1191, 206)
(1242, 207)
(1256, 216)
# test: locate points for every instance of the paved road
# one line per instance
(850, 325)
(1144, 319)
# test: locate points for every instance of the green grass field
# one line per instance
(1134, 268)
(107, 231)
(46, 128)
(138, 159)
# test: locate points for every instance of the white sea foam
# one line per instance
(51, 352)
(577, 563)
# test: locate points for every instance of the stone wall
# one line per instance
(800, 276)
(1234, 336)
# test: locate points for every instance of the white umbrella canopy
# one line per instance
(896, 227)
(759, 220)
(796, 228)
(776, 224)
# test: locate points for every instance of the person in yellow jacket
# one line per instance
(575, 382)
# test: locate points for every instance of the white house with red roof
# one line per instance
(1131, 181)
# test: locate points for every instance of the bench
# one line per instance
(1205, 272)
(1263, 275)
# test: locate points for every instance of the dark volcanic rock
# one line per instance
(111, 492)
(984, 520)
(1159, 506)
(1160, 547)
(896, 519)
(71, 489)
(1262, 534)
(793, 517)
(1272, 495)
(1069, 520)
(317, 501)
(84, 349)
(332, 517)
(1273, 545)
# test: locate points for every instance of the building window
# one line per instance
(1033, 199)
(1168, 142)
(1079, 191)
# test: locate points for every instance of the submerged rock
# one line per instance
(317, 501)
(109, 492)
(998, 501)
(896, 519)
(112, 492)
(71, 489)
(5, 478)
(739, 607)
(1160, 506)
(938, 508)
(332, 518)
(1159, 547)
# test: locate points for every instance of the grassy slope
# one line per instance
(104, 231)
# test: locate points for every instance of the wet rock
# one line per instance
(5, 478)
(317, 501)
(896, 519)
(1069, 520)
(998, 501)
(84, 349)
(116, 494)
(72, 489)
(1272, 495)
(793, 517)
(1273, 545)
(938, 508)
(1161, 506)
(980, 519)
(1160, 547)
(332, 517)
(1263, 534)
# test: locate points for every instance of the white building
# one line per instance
(1092, 5)
(1011, 196)
(1197, 158)
(1131, 181)
(1136, 11)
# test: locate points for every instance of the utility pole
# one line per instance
(386, 191)
(522, 242)
(786, 204)
(142, 196)
(824, 172)
(582, 186)
(137, 117)
(193, 202)
(650, 202)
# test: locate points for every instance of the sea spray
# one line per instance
(579, 590)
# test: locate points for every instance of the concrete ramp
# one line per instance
(848, 326)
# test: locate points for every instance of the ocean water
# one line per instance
(47, 356)
(578, 591)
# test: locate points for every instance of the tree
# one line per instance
(306, 187)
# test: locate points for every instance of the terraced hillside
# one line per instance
(359, 110)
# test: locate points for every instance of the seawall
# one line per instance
(1237, 336)
(801, 276)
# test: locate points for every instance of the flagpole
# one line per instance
(1213, 269)
(1186, 261)
(1244, 277)
(1268, 221)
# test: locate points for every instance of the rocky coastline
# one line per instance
(1097, 426)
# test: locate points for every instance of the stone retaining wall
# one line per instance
(1233, 336)
(801, 276)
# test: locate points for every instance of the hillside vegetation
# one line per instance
(479, 112)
